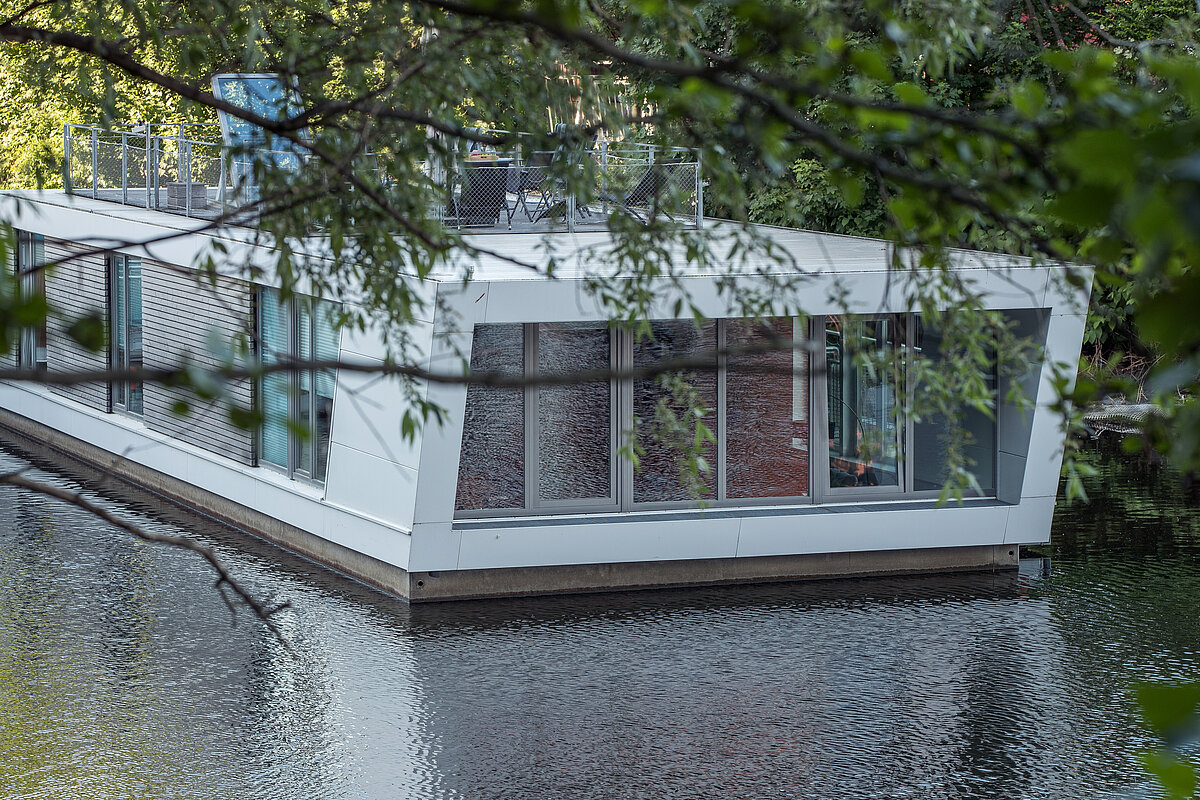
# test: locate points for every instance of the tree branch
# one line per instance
(224, 579)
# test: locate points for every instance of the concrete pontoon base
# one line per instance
(512, 581)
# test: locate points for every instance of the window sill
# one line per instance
(683, 515)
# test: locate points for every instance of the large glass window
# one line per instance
(539, 446)
(296, 404)
(125, 307)
(574, 420)
(864, 369)
(492, 463)
(766, 411)
(931, 436)
(657, 478)
(767, 387)
(31, 260)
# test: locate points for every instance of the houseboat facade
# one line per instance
(525, 489)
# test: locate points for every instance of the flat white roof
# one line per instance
(510, 256)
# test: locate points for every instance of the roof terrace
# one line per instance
(191, 170)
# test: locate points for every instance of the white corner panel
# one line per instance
(1029, 523)
(371, 485)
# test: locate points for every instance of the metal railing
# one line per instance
(185, 169)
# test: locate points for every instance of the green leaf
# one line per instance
(910, 94)
(1085, 205)
(1169, 708)
(1103, 157)
(1168, 318)
(1176, 776)
(89, 331)
(1028, 98)
(871, 64)
(245, 418)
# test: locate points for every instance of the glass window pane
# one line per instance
(133, 337)
(491, 471)
(575, 420)
(304, 399)
(658, 478)
(766, 407)
(273, 344)
(30, 258)
(326, 342)
(120, 359)
(931, 438)
(38, 334)
(863, 368)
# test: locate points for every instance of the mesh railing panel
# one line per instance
(79, 166)
(144, 166)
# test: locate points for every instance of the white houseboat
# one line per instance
(526, 489)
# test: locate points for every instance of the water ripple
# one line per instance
(121, 674)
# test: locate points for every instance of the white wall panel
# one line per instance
(372, 485)
(544, 545)
(1029, 523)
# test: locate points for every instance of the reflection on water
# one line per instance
(120, 674)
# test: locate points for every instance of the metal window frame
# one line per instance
(819, 490)
(533, 504)
(119, 262)
(819, 468)
(295, 444)
(26, 268)
(620, 429)
(984, 492)
(723, 499)
(627, 501)
(533, 475)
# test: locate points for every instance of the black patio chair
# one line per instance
(483, 197)
(650, 188)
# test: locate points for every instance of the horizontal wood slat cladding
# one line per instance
(10, 265)
(179, 309)
(76, 287)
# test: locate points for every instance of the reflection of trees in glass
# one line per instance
(663, 416)
(574, 421)
(491, 472)
(766, 411)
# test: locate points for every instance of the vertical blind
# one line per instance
(273, 341)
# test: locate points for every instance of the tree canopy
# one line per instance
(1063, 132)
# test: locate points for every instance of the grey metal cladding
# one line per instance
(180, 308)
(76, 287)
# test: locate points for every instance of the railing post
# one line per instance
(95, 163)
(67, 155)
(149, 183)
(604, 177)
(185, 158)
(157, 185)
(699, 194)
(124, 168)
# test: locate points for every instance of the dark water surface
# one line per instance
(121, 676)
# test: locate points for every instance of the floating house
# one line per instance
(527, 489)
